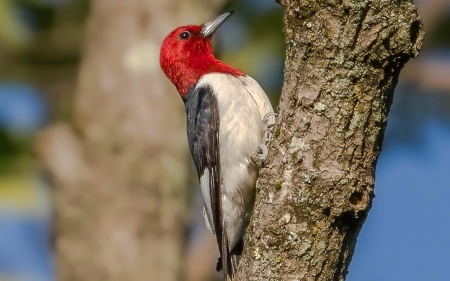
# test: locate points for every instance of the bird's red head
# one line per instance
(186, 54)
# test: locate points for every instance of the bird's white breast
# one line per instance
(242, 105)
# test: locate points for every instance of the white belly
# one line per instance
(240, 132)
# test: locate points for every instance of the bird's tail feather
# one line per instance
(228, 262)
(226, 257)
(234, 264)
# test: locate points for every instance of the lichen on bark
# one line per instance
(343, 60)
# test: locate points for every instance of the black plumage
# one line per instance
(203, 137)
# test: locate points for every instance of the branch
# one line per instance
(342, 65)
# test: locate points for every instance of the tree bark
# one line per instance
(119, 170)
(343, 60)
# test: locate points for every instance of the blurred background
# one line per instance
(406, 236)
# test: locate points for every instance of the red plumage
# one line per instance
(184, 61)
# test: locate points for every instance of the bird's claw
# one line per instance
(268, 124)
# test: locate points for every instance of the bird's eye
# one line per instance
(185, 35)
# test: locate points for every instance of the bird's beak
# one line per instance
(211, 27)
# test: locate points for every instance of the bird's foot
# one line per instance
(261, 154)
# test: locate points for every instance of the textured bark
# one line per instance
(120, 174)
(342, 64)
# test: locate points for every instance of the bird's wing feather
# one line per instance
(203, 137)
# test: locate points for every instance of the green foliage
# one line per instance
(34, 29)
(8, 148)
(13, 33)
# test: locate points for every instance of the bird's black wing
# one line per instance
(203, 136)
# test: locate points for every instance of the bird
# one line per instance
(228, 116)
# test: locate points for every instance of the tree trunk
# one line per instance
(120, 174)
(342, 64)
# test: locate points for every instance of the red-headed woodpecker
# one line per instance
(226, 116)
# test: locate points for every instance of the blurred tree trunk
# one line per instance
(120, 169)
(342, 64)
